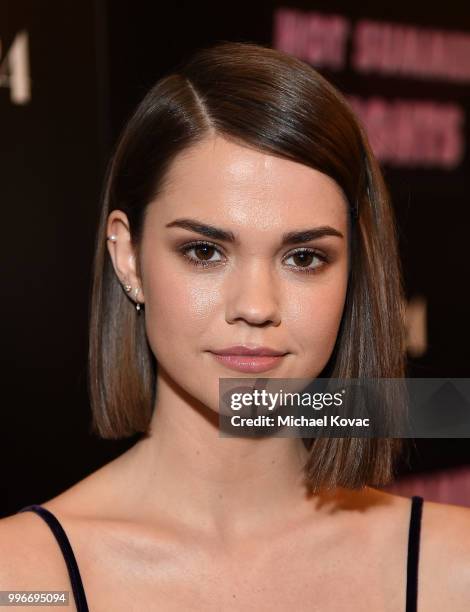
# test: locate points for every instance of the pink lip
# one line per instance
(246, 349)
(249, 363)
(249, 358)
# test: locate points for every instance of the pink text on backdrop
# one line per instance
(381, 47)
(313, 37)
(413, 133)
(393, 49)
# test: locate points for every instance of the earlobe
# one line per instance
(138, 280)
(135, 293)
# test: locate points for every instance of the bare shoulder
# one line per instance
(28, 547)
(444, 552)
(30, 555)
(444, 570)
(30, 558)
(447, 523)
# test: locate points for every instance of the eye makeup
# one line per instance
(303, 252)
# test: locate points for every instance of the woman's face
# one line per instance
(254, 289)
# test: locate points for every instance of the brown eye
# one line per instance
(303, 258)
(203, 251)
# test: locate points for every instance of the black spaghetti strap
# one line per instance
(66, 548)
(413, 554)
(79, 592)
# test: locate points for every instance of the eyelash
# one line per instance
(205, 264)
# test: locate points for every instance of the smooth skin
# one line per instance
(189, 520)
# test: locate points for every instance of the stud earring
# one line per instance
(138, 306)
(127, 288)
(113, 238)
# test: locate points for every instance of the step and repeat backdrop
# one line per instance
(70, 75)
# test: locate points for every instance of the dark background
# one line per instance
(91, 62)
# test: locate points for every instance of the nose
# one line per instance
(253, 296)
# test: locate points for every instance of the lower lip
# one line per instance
(249, 363)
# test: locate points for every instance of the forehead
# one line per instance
(220, 179)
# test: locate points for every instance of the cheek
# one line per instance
(314, 314)
(178, 309)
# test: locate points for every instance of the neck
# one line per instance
(187, 471)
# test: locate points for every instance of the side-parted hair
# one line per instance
(270, 101)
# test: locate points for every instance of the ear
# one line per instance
(123, 255)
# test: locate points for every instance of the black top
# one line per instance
(79, 592)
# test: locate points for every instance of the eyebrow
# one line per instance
(293, 237)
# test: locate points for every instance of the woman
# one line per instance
(242, 208)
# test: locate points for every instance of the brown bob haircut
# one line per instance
(270, 101)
